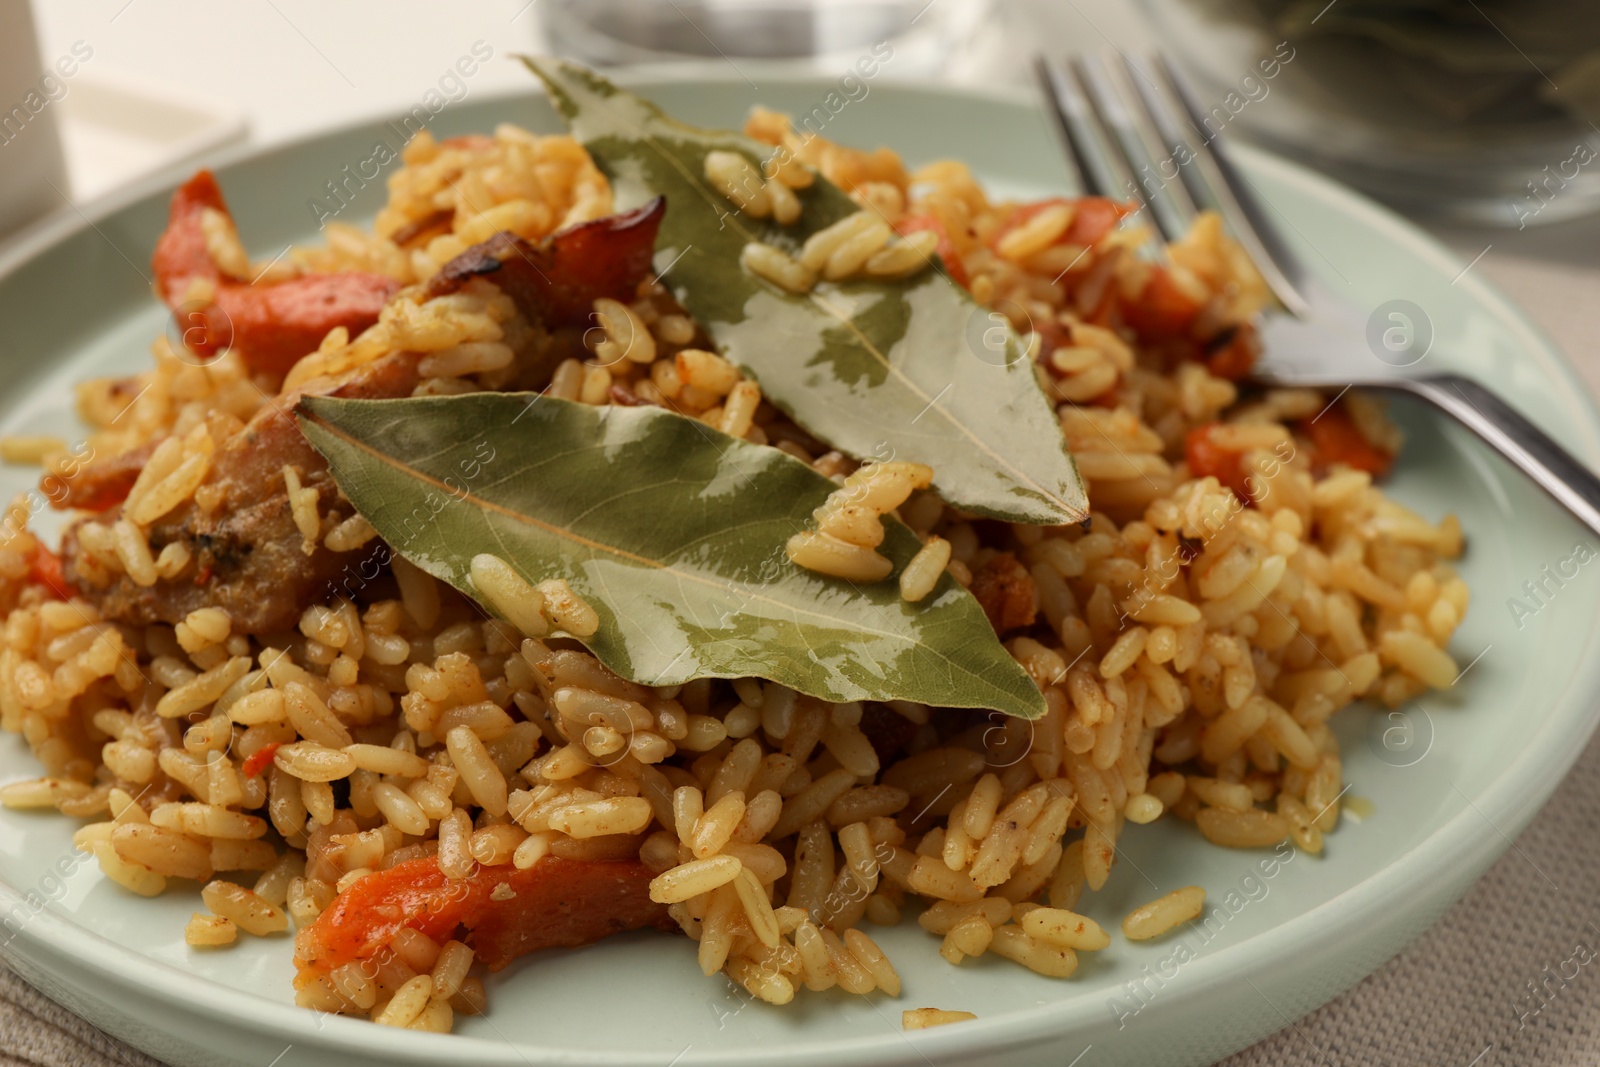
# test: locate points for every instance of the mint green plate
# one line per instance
(1450, 779)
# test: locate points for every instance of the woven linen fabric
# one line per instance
(37, 1032)
(1482, 988)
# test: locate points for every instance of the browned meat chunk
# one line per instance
(102, 484)
(557, 281)
(1005, 591)
(888, 730)
(246, 554)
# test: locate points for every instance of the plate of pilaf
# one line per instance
(566, 585)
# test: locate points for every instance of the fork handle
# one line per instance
(1526, 446)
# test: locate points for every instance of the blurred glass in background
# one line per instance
(33, 177)
(1479, 110)
(926, 35)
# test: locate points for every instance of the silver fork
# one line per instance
(1314, 338)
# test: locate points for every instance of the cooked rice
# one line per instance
(1190, 650)
(922, 1018)
(209, 931)
(1159, 916)
(30, 448)
(778, 267)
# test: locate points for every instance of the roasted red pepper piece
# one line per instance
(262, 759)
(1094, 217)
(561, 903)
(1162, 310)
(557, 280)
(1335, 438)
(472, 142)
(270, 325)
(1232, 354)
(556, 903)
(361, 921)
(46, 571)
(1206, 457)
(946, 248)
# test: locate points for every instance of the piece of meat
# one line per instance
(261, 759)
(246, 555)
(419, 232)
(1006, 593)
(271, 325)
(506, 912)
(887, 730)
(102, 484)
(557, 281)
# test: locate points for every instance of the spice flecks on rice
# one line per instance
(1238, 583)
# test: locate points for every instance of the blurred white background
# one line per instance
(273, 70)
(294, 67)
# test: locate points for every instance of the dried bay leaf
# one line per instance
(874, 368)
(672, 531)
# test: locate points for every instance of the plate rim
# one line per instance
(1543, 763)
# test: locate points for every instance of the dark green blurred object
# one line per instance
(1476, 108)
(1485, 64)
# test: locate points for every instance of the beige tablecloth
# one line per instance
(1458, 997)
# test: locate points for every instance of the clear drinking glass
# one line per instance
(819, 34)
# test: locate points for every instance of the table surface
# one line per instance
(1464, 995)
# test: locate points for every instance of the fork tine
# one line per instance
(1170, 128)
(1088, 155)
(1213, 178)
(1170, 206)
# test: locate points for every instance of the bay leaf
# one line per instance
(914, 369)
(672, 531)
